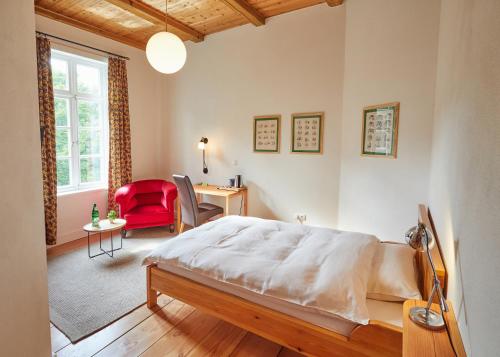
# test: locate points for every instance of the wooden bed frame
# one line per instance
(375, 339)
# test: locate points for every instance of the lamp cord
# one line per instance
(205, 168)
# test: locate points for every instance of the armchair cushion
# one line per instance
(148, 214)
(150, 198)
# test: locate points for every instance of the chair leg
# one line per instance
(181, 229)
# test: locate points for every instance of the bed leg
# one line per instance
(152, 295)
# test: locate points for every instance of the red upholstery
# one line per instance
(147, 203)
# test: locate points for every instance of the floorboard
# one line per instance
(96, 342)
(184, 337)
(58, 339)
(285, 352)
(144, 335)
(173, 329)
(221, 341)
(253, 345)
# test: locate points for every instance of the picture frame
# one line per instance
(307, 133)
(267, 133)
(379, 136)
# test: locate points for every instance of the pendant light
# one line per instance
(165, 51)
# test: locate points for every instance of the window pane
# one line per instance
(62, 142)
(89, 113)
(63, 172)
(90, 141)
(59, 73)
(87, 79)
(90, 169)
(61, 108)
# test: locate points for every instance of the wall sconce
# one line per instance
(201, 146)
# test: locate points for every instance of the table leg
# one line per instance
(109, 253)
(111, 237)
(226, 211)
(245, 203)
(88, 243)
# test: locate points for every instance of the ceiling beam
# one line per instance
(155, 16)
(245, 9)
(334, 2)
(87, 27)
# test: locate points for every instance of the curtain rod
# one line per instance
(80, 44)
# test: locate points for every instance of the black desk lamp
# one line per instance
(201, 146)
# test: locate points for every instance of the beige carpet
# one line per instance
(86, 295)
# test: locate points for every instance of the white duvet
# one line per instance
(319, 268)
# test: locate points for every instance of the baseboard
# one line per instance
(70, 236)
(65, 247)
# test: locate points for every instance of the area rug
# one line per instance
(86, 294)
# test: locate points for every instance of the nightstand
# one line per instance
(421, 342)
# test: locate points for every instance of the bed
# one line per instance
(307, 326)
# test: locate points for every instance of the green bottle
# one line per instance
(95, 216)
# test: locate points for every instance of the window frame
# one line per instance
(74, 97)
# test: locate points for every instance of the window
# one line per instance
(80, 103)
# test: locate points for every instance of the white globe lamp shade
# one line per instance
(166, 52)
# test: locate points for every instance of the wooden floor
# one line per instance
(172, 329)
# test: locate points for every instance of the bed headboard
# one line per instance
(423, 265)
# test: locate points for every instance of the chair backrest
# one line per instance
(189, 205)
(149, 192)
(148, 186)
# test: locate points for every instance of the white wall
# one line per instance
(74, 211)
(24, 315)
(146, 92)
(336, 60)
(390, 55)
(293, 64)
(465, 185)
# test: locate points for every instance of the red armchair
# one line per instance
(147, 203)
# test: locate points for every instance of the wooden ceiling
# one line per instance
(133, 22)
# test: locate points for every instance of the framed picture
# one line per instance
(266, 133)
(307, 133)
(380, 130)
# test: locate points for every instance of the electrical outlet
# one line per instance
(301, 217)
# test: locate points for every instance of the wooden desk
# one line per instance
(420, 342)
(212, 190)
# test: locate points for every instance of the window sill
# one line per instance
(69, 193)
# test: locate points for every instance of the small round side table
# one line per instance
(104, 226)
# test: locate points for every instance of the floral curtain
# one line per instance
(48, 138)
(120, 159)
